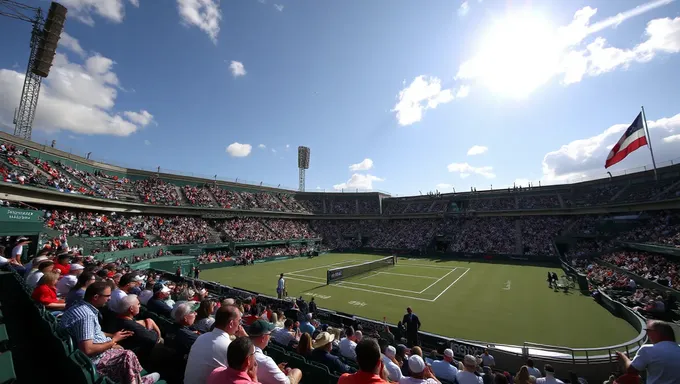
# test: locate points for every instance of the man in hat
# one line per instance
(467, 375)
(18, 249)
(125, 285)
(157, 303)
(446, 369)
(184, 315)
(63, 263)
(420, 372)
(391, 364)
(412, 323)
(323, 343)
(67, 282)
(370, 366)
(268, 372)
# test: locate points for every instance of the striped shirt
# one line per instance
(81, 321)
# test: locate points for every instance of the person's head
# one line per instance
(98, 293)
(469, 363)
(401, 352)
(84, 280)
(116, 278)
(46, 266)
(160, 291)
(324, 340)
(206, 309)
(409, 310)
(523, 375)
(260, 333)
(416, 351)
(500, 379)
(530, 363)
(128, 306)
(288, 324)
(549, 370)
(305, 344)
(127, 282)
(76, 269)
(349, 333)
(63, 258)
(227, 302)
(416, 365)
(448, 355)
(241, 354)
(659, 331)
(281, 276)
(486, 351)
(368, 355)
(390, 352)
(228, 319)
(50, 279)
(185, 313)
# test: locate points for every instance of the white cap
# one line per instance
(448, 353)
(390, 351)
(416, 364)
(76, 267)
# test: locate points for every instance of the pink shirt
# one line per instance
(228, 375)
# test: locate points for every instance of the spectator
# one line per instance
(323, 344)
(77, 293)
(31, 265)
(157, 303)
(11, 262)
(446, 369)
(420, 372)
(147, 293)
(468, 374)
(69, 281)
(370, 365)
(412, 323)
(533, 371)
(63, 263)
(348, 344)
(126, 283)
(35, 276)
(659, 360)
(267, 370)
(285, 336)
(210, 351)
(242, 366)
(184, 315)
(523, 376)
(306, 325)
(304, 347)
(45, 292)
(146, 333)
(487, 359)
(18, 250)
(204, 317)
(391, 364)
(81, 321)
(549, 376)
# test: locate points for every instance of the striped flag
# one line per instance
(632, 139)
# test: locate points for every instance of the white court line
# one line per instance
(454, 282)
(323, 266)
(367, 290)
(309, 277)
(376, 286)
(429, 286)
(370, 275)
(421, 265)
(401, 274)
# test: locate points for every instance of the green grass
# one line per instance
(499, 303)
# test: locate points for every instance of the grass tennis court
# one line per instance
(501, 303)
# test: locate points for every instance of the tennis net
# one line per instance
(341, 273)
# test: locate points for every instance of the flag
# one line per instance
(632, 139)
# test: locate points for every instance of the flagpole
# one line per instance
(649, 142)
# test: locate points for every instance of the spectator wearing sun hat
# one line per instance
(467, 375)
(420, 372)
(69, 280)
(323, 344)
(390, 363)
(447, 368)
(157, 302)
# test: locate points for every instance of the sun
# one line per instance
(518, 54)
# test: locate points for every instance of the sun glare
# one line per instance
(518, 54)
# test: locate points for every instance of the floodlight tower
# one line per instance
(44, 39)
(303, 164)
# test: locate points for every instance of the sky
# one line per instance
(401, 96)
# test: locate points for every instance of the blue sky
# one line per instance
(392, 96)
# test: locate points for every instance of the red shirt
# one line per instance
(361, 377)
(65, 269)
(45, 294)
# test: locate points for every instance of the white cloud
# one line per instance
(464, 8)
(262, 146)
(522, 52)
(142, 117)
(477, 150)
(237, 149)
(135, 3)
(359, 181)
(80, 98)
(441, 187)
(463, 91)
(365, 165)
(237, 68)
(278, 7)
(287, 146)
(147, 142)
(83, 10)
(465, 170)
(317, 187)
(204, 14)
(586, 157)
(69, 42)
(273, 150)
(423, 93)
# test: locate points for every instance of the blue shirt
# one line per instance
(74, 296)
(444, 370)
(307, 327)
(81, 321)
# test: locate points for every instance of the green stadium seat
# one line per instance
(85, 366)
(296, 361)
(7, 373)
(4, 338)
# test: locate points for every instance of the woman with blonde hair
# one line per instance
(204, 316)
(304, 347)
(523, 376)
(45, 292)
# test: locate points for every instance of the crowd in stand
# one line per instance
(343, 206)
(369, 207)
(538, 202)
(538, 233)
(661, 228)
(290, 229)
(492, 204)
(657, 268)
(199, 196)
(596, 195)
(488, 234)
(89, 180)
(244, 228)
(156, 191)
(226, 198)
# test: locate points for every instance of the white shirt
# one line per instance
(535, 372)
(145, 295)
(465, 377)
(267, 370)
(549, 379)
(283, 336)
(282, 283)
(204, 324)
(208, 352)
(444, 370)
(660, 360)
(413, 380)
(393, 370)
(33, 278)
(116, 296)
(3, 261)
(18, 250)
(65, 284)
(488, 360)
(347, 348)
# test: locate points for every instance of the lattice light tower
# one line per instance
(303, 164)
(44, 39)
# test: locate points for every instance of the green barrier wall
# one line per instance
(129, 253)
